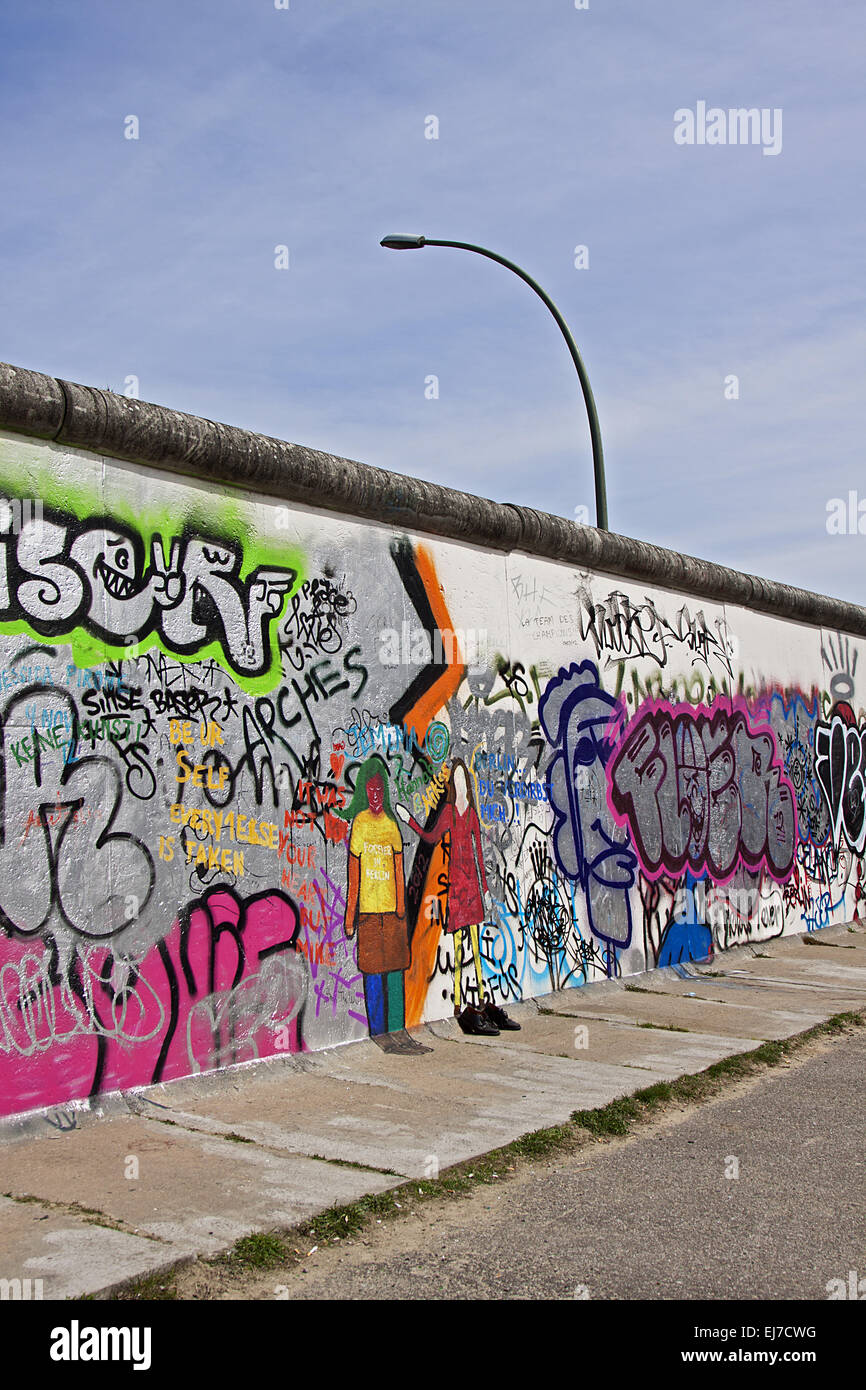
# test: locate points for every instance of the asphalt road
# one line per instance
(659, 1216)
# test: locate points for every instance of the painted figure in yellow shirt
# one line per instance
(376, 902)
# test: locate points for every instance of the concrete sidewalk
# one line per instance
(215, 1157)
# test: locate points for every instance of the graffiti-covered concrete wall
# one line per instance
(294, 751)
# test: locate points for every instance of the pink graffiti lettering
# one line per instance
(704, 791)
(220, 988)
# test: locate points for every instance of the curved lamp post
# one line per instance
(414, 243)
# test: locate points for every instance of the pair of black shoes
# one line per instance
(488, 1021)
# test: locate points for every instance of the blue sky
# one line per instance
(305, 127)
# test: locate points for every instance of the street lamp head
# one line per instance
(414, 243)
(402, 243)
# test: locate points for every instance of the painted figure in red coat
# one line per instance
(467, 891)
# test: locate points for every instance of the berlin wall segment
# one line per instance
(263, 766)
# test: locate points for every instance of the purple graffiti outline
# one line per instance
(568, 818)
(732, 708)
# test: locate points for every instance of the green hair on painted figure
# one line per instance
(373, 767)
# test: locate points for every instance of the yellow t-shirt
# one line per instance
(375, 840)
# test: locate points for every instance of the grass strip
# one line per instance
(664, 1027)
(619, 1116)
(153, 1288)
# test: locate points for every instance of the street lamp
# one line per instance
(414, 243)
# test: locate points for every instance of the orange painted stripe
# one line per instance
(425, 941)
(447, 685)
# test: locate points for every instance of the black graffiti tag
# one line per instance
(840, 766)
(62, 860)
(59, 573)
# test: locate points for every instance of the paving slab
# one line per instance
(699, 1015)
(801, 970)
(194, 1193)
(828, 939)
(745, 990)
(71, 1256)
(646, 1046)
(851, 939)
(409, 1115)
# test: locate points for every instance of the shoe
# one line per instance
(500, 1018)
(474, 1020)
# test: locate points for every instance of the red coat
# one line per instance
(466, 878)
